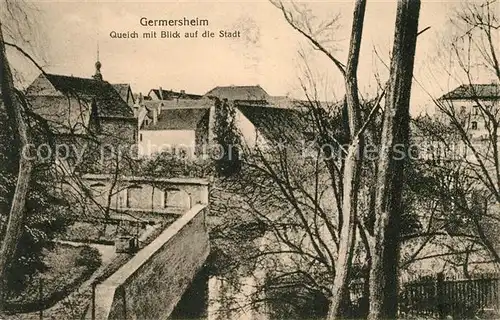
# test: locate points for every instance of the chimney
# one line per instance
(140, 97)
(155, 116)
(161, 93)
(211, 123)
(160, 105)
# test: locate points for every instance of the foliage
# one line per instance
(169, 165)
(227, 138)
(289, 297)
(47, 210)
(89, 257)
(69, 267)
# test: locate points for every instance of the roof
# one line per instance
(170, 94)
(474, 91)
(49, 93)
(123, 90)
(145, 179)
(109, 103)
(179, 119)
(238, 93)
(181, 103)
(276, 124)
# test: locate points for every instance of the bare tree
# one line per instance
(470, 118)
(353, 162)
(395, 133)
(14, 104)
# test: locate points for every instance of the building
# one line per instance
(467, 101)
(188, 124)
(125, 92)
(161, 94)
(86, 113)
(173, 125)
(239, 93)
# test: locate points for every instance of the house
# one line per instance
(188, 124)
(467, 101)
(125, 92)
(161, 94)
(174, 125)
(85, 111)
(239, 93)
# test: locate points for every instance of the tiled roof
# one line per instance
(181, 103)
(170, 94)
(276, 124)
(122, 89)
(49, 94)
(109, 102)
(238, 93)
(472, 91)
(179, 119)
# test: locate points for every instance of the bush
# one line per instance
(89, 257)
(68, 267)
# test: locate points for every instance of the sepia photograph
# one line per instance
(249, 159)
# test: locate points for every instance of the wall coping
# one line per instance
(128, 269)
(138, 179)
(105, 291)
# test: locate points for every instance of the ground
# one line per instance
(68, 267)
(63, 263)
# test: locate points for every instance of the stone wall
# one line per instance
(158, 195)
(151, 284)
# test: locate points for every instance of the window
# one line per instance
(140, 136)
(474, 125)
(133, 199)
(475, 110)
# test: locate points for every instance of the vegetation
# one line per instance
(69, 267)
(228, 161)
(46, 211)
(302, 230)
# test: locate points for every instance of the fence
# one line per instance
(460, 298)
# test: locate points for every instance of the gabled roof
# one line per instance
(123, 90)
(109, 103)
(239, 93)
(68, 103)
(178, 119)
(276, 124)
(474, 91)
(171, 95)
(188, 103)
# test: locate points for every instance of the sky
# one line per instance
(68, 33)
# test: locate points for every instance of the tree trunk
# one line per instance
(385, 258)
(352, 168)
(15, 222)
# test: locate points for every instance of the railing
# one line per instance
(441, 297)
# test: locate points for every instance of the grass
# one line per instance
(106, 232)
(74, 300)
(68, 267)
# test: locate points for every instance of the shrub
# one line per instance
(89, 257)
(59, 279)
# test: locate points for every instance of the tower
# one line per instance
(97, 75)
